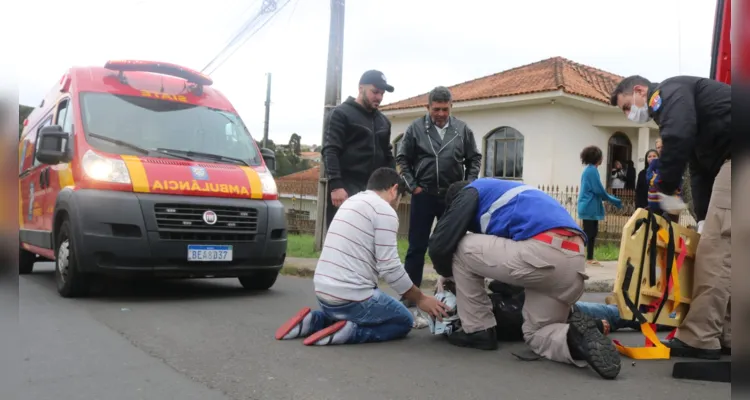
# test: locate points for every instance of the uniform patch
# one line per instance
(199, 173)
(655, 102)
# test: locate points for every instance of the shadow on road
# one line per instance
(145, 290)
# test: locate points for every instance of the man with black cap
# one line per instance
(356, 141)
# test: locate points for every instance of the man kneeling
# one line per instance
(523, 237)
(360, 247)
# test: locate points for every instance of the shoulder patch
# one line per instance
(655, 102)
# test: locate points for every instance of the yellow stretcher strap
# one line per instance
(658, 352)
(676, 263)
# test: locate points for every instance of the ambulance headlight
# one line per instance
(269, 184)
(105, 169)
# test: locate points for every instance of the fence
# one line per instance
(302, 209)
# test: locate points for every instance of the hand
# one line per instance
(440, 286)
(338, 197)
(671, 204)
(618, 204)
(700, 226)
(418, 190)
(433, 306)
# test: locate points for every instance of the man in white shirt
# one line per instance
(361, 247)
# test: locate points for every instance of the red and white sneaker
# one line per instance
(338, 333)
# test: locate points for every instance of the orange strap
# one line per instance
(658, 352)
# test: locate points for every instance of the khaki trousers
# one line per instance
(553, 279)
(708, 323)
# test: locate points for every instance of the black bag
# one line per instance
(507, 303)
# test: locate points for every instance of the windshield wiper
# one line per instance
(139, 149)
(121, 143)
(216, 157)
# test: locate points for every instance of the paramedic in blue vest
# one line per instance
(523, 237)
(437, 150)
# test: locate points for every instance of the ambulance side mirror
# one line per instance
(52, 145)
(270, 159)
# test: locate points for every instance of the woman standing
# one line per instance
(642, 184)
(590, 207)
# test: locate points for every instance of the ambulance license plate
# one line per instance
(209, 253)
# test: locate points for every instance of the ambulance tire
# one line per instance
(72, 283)
(261, 280)
(26, 260)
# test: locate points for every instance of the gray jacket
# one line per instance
(433, 164)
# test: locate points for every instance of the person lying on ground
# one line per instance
(359, 248)
(513, 242)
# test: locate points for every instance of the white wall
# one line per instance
(554, 135)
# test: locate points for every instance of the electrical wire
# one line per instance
(246, 26)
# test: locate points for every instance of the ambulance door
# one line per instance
(60, 175)
(32, 180)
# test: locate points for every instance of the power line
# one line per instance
(269, 9)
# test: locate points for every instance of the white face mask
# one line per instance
(638, 115)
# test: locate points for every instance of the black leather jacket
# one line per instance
(433, 164)
(357, 142)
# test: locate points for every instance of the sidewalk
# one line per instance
(601, 279)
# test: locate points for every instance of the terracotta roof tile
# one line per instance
(311, 174)
(544, 76)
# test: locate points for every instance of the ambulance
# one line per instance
(141, 169)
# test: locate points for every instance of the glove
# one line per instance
(671, 204)
(700, 226)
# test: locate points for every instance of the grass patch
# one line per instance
(303, 246)
(607, 252)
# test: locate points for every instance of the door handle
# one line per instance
(41, 179)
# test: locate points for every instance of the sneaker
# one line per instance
(482, 340)
(586, 342)
(296, 327)
(338, 333)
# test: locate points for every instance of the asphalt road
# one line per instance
(210, 340)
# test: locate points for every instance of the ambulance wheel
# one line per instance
(261, 280)
(26, 260)
(71, 282)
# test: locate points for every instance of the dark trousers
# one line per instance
(352, 188)
(424, 209)
(590, 228)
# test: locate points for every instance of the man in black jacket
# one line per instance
(694, 117)
(437, 150)
(357, 141)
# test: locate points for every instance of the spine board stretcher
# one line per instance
(647, 288)
(654, 286)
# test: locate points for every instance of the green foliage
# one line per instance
(288, 160)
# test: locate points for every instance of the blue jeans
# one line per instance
(608, 312)
(377, 319)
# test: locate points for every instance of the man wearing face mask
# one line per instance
(437, 150)
(694, 118)
(357, 141)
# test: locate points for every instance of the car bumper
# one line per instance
(144, 234)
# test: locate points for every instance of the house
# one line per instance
(531, 122)
(298, 192)
(312, 156)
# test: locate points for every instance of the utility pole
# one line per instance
(332, 99)
(268, 111)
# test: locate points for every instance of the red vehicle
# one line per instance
(143, 169)
(721, 55)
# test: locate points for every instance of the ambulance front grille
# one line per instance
(185, 222)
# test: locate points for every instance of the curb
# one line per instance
(430, 280)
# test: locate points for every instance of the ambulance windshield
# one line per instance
(160, 124)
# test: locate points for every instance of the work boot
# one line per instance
(586, 342)
(678, 348)
(482, 340)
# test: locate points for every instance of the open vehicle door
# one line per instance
(721, 52)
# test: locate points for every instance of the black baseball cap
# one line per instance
(377, 79)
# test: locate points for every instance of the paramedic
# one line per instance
(522, 237)
(694, 119)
